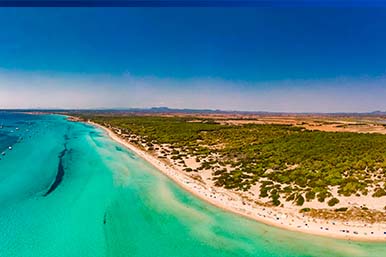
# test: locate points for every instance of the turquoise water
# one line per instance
(66, 189)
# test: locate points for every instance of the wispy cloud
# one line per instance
(42, 90)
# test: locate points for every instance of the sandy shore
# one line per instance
(285, 218)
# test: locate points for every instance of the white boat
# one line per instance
(3, 153)
(10, 147)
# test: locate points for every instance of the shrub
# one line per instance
(310, 195)
(300, 200)
(305, 209)
(263, 192)
(379, 192)
(321, 196)
(291, 197)
(333, 201)
(275, 199)
(341, 209)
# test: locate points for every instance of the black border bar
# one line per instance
(192, 3)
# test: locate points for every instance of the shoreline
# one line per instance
(288, 219)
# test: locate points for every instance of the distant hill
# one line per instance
(167, 110)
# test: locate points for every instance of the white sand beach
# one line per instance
(286, 218)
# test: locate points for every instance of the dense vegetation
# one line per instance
(288, 161)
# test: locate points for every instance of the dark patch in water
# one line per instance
(7, 140)
(94, 134)
(131, 155)
(60, 173)
(104, 219)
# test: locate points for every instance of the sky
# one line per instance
(298, 59)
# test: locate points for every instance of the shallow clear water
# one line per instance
(66, 189)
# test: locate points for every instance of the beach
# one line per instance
(284, 218)
(70, 184)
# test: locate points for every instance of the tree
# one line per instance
(300, 200)
(333, 201)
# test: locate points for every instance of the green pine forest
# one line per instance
(289, 162)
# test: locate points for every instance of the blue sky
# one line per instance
(271, 59)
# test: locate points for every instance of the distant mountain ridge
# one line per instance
(166, 110)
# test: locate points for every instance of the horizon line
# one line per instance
(183, 110)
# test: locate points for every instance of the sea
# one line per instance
(67, 189)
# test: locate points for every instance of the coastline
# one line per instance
(288, 219)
